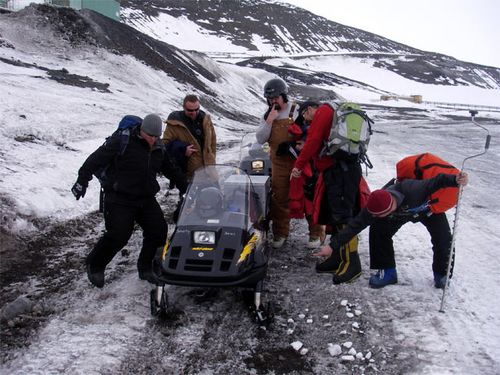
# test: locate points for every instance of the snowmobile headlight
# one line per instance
(257, 165)
(204, 237)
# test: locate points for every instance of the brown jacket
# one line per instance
(177, 130)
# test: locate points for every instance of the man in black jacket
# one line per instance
(386, 212)
(129, 195)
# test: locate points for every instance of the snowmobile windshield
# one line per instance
(220, 196)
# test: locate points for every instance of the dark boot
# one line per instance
(95, 275)
(331, 264)
(350, 265)
(145, 269)
(440, 280)
(147, 275)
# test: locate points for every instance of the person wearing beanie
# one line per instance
(152, 125)
(380, 203)
(190, 135)
(129, 194)
(386, 211)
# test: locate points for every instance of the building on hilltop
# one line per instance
(108, 8)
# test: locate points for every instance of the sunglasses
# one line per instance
(192, 110)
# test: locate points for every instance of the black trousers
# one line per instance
(341, 199)
(119, 221)
(382, 248)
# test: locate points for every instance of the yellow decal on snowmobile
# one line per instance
(248, 248)
(165, 251)
(202, 248)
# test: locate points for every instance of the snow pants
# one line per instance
(280, 213)
(342, 192)
(119, 222)
(382, 249)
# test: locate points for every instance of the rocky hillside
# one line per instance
(265, 28)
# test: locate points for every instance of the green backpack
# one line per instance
(350, 132)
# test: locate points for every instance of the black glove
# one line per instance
(79, 190)
(182, 185)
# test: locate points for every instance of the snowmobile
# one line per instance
(221, 237)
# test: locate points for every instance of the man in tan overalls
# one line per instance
(273, 129)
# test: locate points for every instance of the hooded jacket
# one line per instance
(132, 175)
(411, 197)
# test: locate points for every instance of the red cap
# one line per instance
(379, 202)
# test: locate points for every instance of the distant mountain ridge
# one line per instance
(269, 28)
(145, 35)
(288, 29)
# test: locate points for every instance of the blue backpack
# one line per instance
(126, 127)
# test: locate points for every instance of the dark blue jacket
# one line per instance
(410, 195)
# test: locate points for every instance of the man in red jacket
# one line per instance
(337, 189)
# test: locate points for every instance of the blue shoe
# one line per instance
(383, 277)
(439, 280)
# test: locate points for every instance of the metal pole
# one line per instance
(457, 211)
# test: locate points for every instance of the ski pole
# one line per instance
(457, 210)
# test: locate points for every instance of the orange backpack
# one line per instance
(424, 166)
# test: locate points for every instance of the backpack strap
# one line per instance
(419, 170)
(124, 140)
(292, 110)
(391, 182)
(364, 159)
(423, 208)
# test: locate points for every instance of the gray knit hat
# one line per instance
(152, 125)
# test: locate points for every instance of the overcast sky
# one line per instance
(468, 30)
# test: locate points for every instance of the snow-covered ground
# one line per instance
(47, 130)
